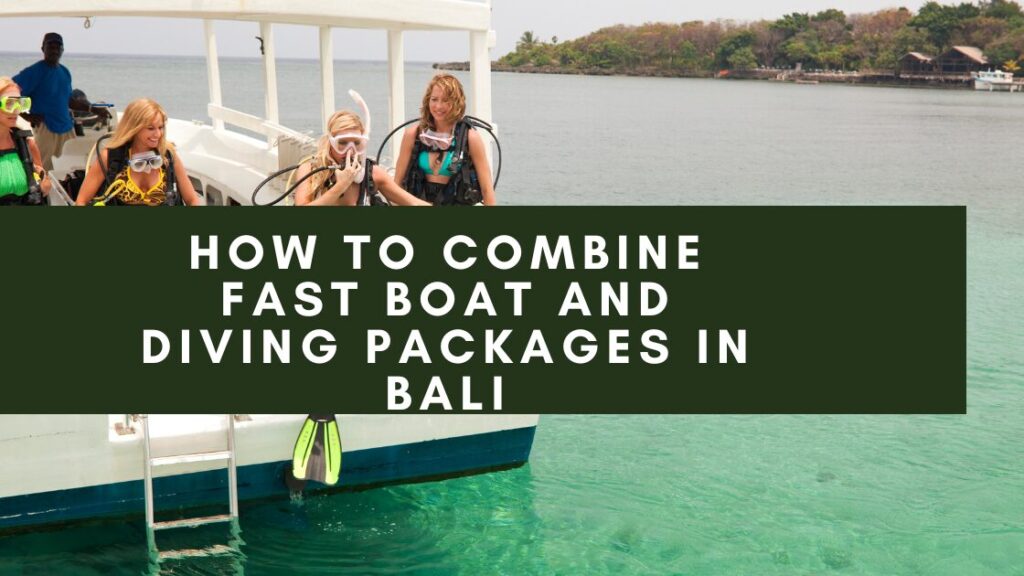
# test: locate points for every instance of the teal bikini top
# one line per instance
(444, 171)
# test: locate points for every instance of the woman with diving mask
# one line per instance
(443, 159)
(22, 178)
(343, 147)
(138, 166)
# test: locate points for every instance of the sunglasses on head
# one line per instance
(343, 143)
(146, 163)
(15, 104)
(436, 140)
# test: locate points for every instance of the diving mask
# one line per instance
(146, 162)
(349, 143)
(354, 143)
(15, 104)
(436, 140)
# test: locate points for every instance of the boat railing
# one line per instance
(58, 196)
(393, 17)
(252, 123)
(292, 150)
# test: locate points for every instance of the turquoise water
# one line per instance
(638, 495)
(694, 495)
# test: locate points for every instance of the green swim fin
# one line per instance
(317, 454)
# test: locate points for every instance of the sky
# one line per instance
(565, 19)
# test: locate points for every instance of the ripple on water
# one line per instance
(694, 495)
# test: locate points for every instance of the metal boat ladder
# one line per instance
(227, 455)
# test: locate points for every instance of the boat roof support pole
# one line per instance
(480, 44)
(326, 75)
(269, 75)
(213, 70)
(480, 73)
(396, 84)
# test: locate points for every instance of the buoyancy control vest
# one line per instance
(368, 195)
(463, 187)
(117, 160)
(367, 188)
(34, 195)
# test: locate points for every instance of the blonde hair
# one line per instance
(136, 117)
(6, 83)
(452, 89)
(340, 122)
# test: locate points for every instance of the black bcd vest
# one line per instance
(117, 159)
(34, 197)
(462, 189)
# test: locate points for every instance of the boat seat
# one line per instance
(75, 154)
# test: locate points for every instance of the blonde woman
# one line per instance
(336, 175)
(22, 178)
(442, 159)
(138, 167)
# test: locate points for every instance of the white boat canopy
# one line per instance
(394, 16)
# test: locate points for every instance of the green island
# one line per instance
(939, 45)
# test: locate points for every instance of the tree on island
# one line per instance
(526, 41)
(829, 39)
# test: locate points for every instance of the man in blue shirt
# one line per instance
(48, 84)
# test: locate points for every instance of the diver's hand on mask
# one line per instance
(344, 177)
(341, 182)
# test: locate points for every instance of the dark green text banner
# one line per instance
(558, 310)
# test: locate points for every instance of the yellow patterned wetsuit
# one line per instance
(127, 192)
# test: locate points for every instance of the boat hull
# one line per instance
(478, 450)
(436, 459)
(993, 86)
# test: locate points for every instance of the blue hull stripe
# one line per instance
(360, 469)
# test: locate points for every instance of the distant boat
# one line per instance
(993, 80)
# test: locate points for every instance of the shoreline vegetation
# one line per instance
(829, 46)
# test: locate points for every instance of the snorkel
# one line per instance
(366, 111)
(365, 136)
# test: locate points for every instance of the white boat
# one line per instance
(227, 165)
(993, 80)
(69, 467)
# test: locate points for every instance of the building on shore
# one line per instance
(916, 63)
(961, 60)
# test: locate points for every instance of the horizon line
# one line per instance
(219, 57)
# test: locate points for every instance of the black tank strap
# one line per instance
(367, 188)
(116, 160)
(35, 194)
(173, 197)
(24, 153)
(462, 163)
(461, 141)
(414, 178)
